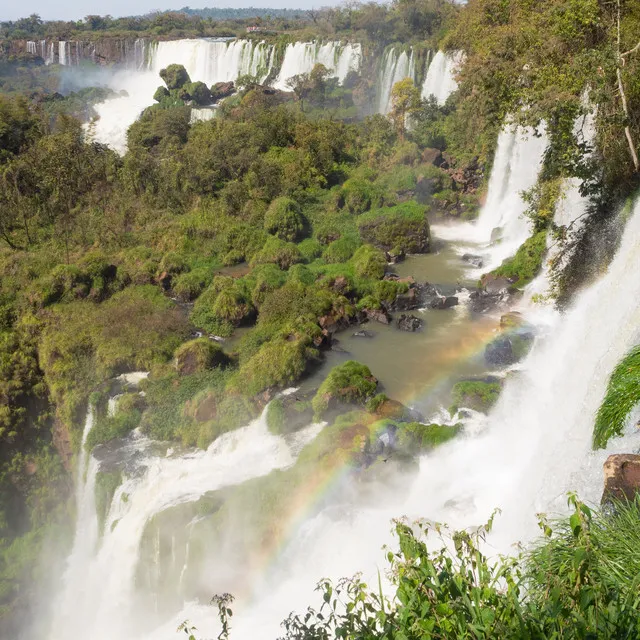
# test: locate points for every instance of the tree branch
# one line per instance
(627, 53)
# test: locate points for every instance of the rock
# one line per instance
(495, 284)
(378, 315)
(474, 261)
(394, 256)
(409, 322)
(443, 302)
(222, 90)
(509, 349)
(511, 320)
(406, 301)
(621, 477)
(362, 333)
(432, 156)
(433, 297)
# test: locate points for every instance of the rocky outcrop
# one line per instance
(621, 477)
(409, 322)
(510, 348)
(222, 90)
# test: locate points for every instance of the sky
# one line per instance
(77, 9)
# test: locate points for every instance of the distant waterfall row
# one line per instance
(223, 60)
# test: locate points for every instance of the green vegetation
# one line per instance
(347, 383)
(415, 437)
(525, 265)
(126, 417)
(199, 355)
(402, 228)
(623, 395)
(479, 395)
(107, 483)
(579, 582)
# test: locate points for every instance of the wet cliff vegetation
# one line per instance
(272, 226)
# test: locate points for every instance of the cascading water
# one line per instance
(395, 67)
(63, 53)
(440, 81)
(301, 57)
(32, 47)
(501, 226)
(107, 582)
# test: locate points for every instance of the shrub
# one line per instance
(276, 251)
(188, 286)
(284, 220)
(403, 227)
(369, 262)
(199, 355)
(175, 76)
(359, 195)
(349, 383)
(341, 250)
(310, 249)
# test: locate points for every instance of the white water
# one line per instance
(32, 47)
(501, 226)
(395, 67)
(440, 80)
(301, 57)
(63, 53)
(106, 586)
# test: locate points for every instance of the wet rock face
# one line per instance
(436, 296)
(409, 322)
(473, 260)
(621, 477)
(509, 349)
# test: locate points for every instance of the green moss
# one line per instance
(403, 227)
(188, 286)
(175, 76)
(369, 262)
(342, 249)
(359, 195)
(199, 355)
(348, 383)
(415, 436)
(107, 483)
(284, 219)
(277, 251)
(310, 249)
(478, 395)
(126, 418)
(526, 263)
(623, 395)
(276, 416)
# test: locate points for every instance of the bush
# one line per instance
(310, 249)
(175, 76)
(347, 383)
(276, 251)
(369, 262)
(403, 227)
(525, 265)
(199, 355)
(341, 250)
(359, 195)
(198, 92)
(188, 286)
(284, 220)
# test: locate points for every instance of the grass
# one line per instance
(623, 394)
(526, 263)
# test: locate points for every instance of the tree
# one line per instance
(405, 100)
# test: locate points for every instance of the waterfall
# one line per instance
(212, 61)
(86, 534)
(32, 47)
(501, 226)
(63, 53)
(202, 115)
(395, 67)
(440, 81)
(301, 57)
(140, 54)
(50, 57)
(106, 585)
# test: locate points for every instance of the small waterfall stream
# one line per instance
(440, 81)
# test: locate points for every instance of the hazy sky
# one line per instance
(76, 9)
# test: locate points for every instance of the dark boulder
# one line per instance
(509, 349)
(473, 260)
(222, 90)
(409, 322)
(406, 301)
(378, 315)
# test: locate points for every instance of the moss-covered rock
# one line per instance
(415, 437)
(198, 92)
(160, 94)
(479, 395)
(403, 227)
(284, 220)
(369, 262)
(342, 249)
(277, 251)
(526, 263)
(347, 383)
(199, 355)
(175, 76)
